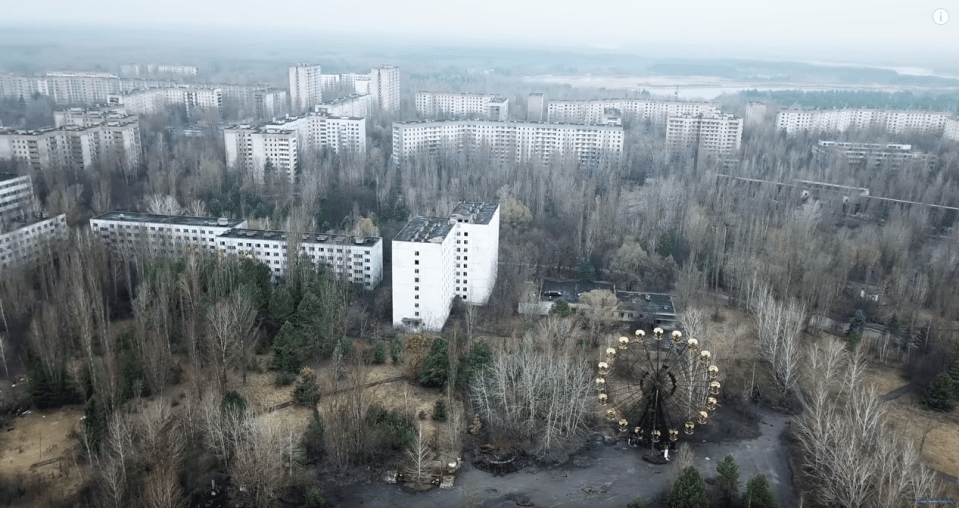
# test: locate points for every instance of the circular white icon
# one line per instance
(941, 16)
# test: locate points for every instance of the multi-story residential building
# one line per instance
(306, 87)
(355, 105)
(460, 105)
(328, 81)
(633, 110)
(717, 134)
(385, 87)
(284, 142)
(154, 100)
(438, 260)
(951, 129)
(355, 259)
(508, 141)
(16, 196)
(25, 236)
(183, 70)
(86, 117)
(755, 114)
(269, 103)
(14, 86)
(535, 107)
(134, 233)
(840, 120)
(67, 87)
(100, 138)
(358, 83)
(876, 155)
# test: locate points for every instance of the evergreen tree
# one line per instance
(758, 493)
(940, 393)
(954, 369)
(439, 411)
(379, 352)
(586, 270)
(561, 308)
(396, 350)
(689, 491)
(728, 477)
(286, 350)
(281, 304)
(436, 365)
(479, 357)
(857, 323)
(307, 390)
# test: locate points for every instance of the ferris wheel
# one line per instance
(653, 387)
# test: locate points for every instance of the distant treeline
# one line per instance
(856, 99)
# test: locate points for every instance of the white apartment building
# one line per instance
(717, 134)
(535, 107)
(873, 155)
(154, 100)
(25, 236)
(14, 86)
(106, 138)
(67, 87)
(951, 129)
(183, 70)
(16, 196)
(269, 103)
(358, 83)
(355, 105)
(306, 87)
(284, 142)
(508, 141)
(385, 87)
(438, 260)
(755, 114)
(458, 105)
(633, 110)
(86, 117)
(25, 242)
(354, 259)
(840, 120)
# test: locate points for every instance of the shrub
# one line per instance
(315, 498)
(758, 493)
(439, 411)
(940, 393)
(233, 401)
(436, 365)
(479, 358)
(307, 390)
(395, 427)
(728, 477)
(313, 437)
(853, 340)
(379, 352)
(561, 309)
(637, 503)
(284, 378)
(689, 491)
(396, 350)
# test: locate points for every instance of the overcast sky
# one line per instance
(750, 27)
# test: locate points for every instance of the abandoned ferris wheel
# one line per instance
(653, 387)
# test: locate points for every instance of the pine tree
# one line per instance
(281, 304)
(758, 493)
(728, 477)
(857, 323)
(436, 365)
(689, 491)
(439, 411)
(954, 369)
(941, 391)
(286, 350)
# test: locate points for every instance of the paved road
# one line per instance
(599, 477)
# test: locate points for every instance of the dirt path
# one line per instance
(601, 476)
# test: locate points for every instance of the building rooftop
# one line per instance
(342, 100)
(423, 230)
(10, 176)
(168, 219)
(325, 238)
(658, 304)
(477, 213)
(570, 290)
(463, 94)
(499, 100)
(592, 126)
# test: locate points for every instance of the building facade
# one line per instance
(508, 141)
(385, 88)
(26, 237)
(840, 120)
(306, 87)
(16, 196)
(355, 105)
(535, 107)
(718, 134)
(85, 138)
(458, 105)
(876, 155)
(436, 261)
(355, 259)
(633, 110)
(155, 100)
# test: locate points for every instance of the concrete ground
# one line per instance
(600, 476)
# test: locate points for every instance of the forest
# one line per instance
(162, 356)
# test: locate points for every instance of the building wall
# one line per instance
(423, 282)
(306, 87)
(453, 104)
(114, 142)
(34, 241)
(356, 105)
(478, 269)
(632, 110)
(535, 104)
(710, 135)
(840, 120)
(16, 195)
(385, 88)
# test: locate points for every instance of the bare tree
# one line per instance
(258, 466)
(420, 456)
(779, 326)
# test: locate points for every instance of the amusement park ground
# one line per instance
(602, 475)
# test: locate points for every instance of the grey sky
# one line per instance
(752, 27)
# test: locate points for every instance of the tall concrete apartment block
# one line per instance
(437, 261)
(936, 123)
(355, 259)
(632, 110)
(755, 114)
(283, 143)
(81, 140)
(535, 107)
(26, 237)
(460, 105)
(306, 87)
(355, 105)
(717, 134)
(385, 87)
(154, 100)
(508, 141)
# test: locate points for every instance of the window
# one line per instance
(417, 314)
(416, 262)
(416, 270)
(416, 279)
(416, 297)
(416, 305)
(416, 288)
(417, 253)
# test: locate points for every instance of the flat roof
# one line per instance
(325, 238)
(479, 213)
(424, 230)
(657, 304)
(570, 290)
(165, 219)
